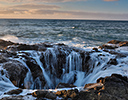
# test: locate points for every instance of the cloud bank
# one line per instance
(53, 14)
(111, 0)
(35, 9)
(46, 1)
(35, 6)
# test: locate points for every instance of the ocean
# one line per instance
(78, 33)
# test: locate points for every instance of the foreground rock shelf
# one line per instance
(57, 71)
(114, 87)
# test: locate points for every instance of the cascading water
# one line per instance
(45, 69)
(28, 80)
(36, 56)
(5, 83)
(72, 68)
(73, 62)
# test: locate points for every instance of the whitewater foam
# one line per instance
(11, 38)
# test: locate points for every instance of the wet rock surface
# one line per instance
(16, 72)
(40, 59)
(4, 44)
(48, 65)
(64, 85)
(114, 44)
(17, 91)
(114, 87)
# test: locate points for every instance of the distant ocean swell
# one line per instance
(80, 33)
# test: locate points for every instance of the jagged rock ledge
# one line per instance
(114, 87)
(19, 64)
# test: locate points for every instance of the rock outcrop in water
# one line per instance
(44, 64)
(48, 65)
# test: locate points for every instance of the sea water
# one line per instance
(78, 33)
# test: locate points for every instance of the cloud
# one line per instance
(35, 6)
(46, 1)
(111, 0)
(61, 14)
(26, 8)
(8, 12)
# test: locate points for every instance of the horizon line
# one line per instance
(68, 19)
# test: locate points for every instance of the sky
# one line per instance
(65, 9)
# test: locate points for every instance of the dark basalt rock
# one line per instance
(67, 93)
(13, 98)
(113, 62)
(17, 91)
(64, 85)
(87, 85)
(114, 87)
(40, 94)
(115, 44)
(96, 49)
(3, 59)
(85, 95)
(105, 46)
(4, 44)
(120, 43)
(16, 72)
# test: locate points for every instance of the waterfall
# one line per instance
(5, 83)
(28, 80)
(47, 68)
(73, 62)
(36, 56)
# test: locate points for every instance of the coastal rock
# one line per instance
(113, 61)
(93, 86)
(44, 65)
(64, 85)
(113, 87)
(67, 93)
(114, 44)
(116, 86)
(19, 97)
(4, 44)
(16, 72)
(40, 94)
(120, 43)
(17, 91)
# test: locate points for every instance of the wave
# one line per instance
(11, 38)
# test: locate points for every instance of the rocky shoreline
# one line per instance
(114, 87)
(17, 61)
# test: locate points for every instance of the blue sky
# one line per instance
(65, 9)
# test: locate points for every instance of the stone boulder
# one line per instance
(67, 93)
(114, 87)
(16, 72)
(64, 85)
(41, 94)
(114, 44)
(16, 91)
(4, 44)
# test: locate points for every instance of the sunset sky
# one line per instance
(65, 9)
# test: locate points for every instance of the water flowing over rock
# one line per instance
(45, 65)
(45, 68)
